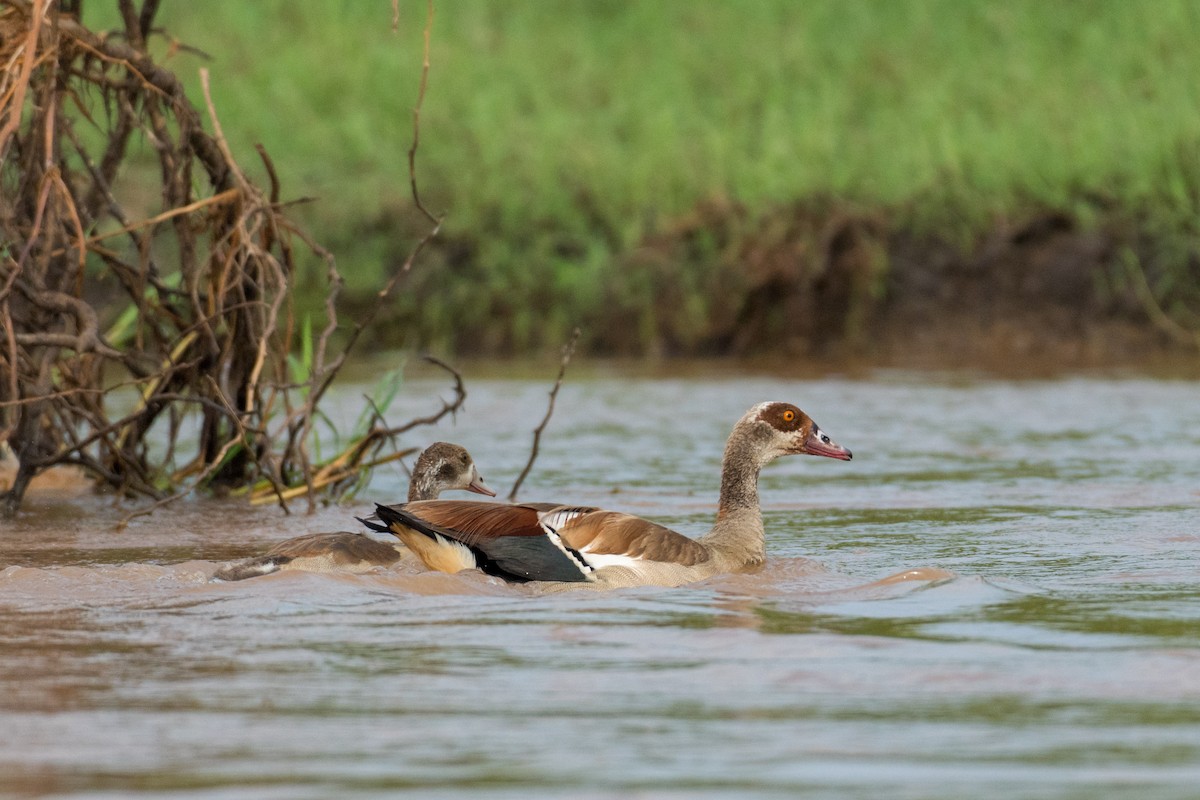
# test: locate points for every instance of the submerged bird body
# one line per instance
(562, 543)
(316, 552)
(441, 467)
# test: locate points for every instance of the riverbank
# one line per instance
(829, 283)
(694, 180)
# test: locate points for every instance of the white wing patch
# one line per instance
(552, 521)
(602, 560)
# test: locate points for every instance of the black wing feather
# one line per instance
(521, 558)
(532, 558)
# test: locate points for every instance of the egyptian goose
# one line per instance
(546, 542)
(442, 466)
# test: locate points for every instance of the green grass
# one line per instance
(556, 134)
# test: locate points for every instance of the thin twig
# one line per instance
(436, 222)
(460, 397)
(416, 138)
(567, 351)
(216, 199)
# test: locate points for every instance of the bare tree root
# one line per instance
(199, 354)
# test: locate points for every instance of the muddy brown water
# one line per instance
(1060, 659)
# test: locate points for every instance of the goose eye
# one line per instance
(789, 415)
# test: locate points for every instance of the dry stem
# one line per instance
(567, 351)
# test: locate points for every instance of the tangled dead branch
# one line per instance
(200, 346)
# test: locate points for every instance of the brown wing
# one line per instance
(473, 521)
(341, 547)
(507, 541)
(595, 532)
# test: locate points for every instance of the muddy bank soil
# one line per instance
(822, 281)
(830, 284)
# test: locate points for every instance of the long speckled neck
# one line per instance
(737, 539)
(427, 482)
(422, 486)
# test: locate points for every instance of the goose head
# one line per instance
(444, 466)
(781, 429)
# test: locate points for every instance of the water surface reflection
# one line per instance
(1060, 659)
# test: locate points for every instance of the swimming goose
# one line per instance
(440, 467)
(584, 545)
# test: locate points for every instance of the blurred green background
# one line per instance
(559, 137)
